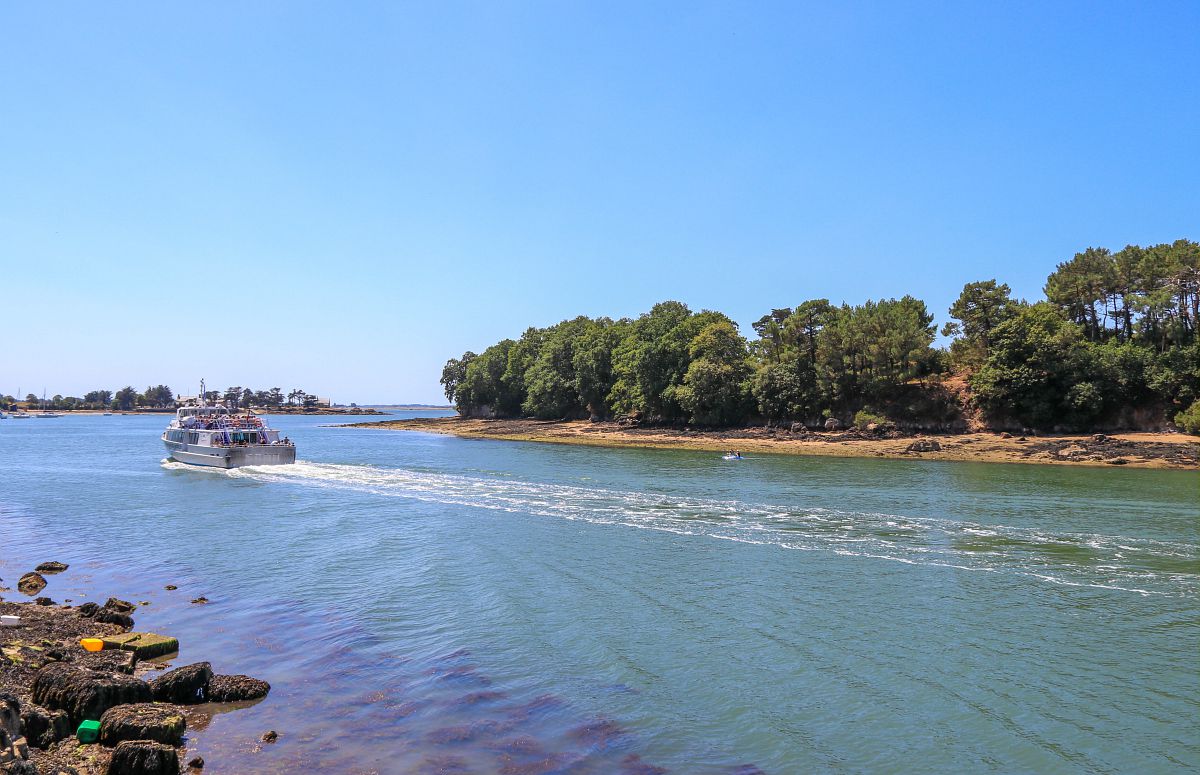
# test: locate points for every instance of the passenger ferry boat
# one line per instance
(214, 436)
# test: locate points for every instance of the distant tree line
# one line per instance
(125, 399)
(162, 397)
(1114, 343)
(239, 397)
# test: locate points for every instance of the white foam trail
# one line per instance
(930, 541)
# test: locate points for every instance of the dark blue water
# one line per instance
(431, 604)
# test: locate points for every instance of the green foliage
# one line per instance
(1174, 374)
(1189, 419)
(161, 396)
(593, 363)
(551, 387)
(978, 310)
(650, 362)
(125, 398)
(1035, 360)
(487, 387)
(454, 376)
(715, 389)
(867, 352)
(864, 417)
(1117, 333)
(1152, 294)
(780, 392)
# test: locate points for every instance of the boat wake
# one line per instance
(1123, 563)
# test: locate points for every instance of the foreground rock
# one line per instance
(31, 583)
(12, 745)
(10, 718)
(143, 721)
(85, 694)
(49, 683)
(43, 728)
(143, 757)
(187, 685)
(236, 688)
(109, 616)
(119, 605)
(52, 567)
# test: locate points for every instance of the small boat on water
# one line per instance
(47, 414)
(217, 437)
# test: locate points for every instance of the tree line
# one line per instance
(1113, 344)
(162, 397)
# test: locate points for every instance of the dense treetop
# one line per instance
(1114, 344)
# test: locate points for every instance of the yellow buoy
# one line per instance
(92, 644)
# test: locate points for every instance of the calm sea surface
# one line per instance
(423, 603)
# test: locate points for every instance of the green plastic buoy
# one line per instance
(88, 732)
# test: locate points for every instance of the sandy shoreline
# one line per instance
(1135, 450)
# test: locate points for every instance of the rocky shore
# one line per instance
(121, 709)
(1134, 450)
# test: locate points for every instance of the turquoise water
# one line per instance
(431, 604)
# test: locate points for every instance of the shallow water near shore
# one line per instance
(422, 603)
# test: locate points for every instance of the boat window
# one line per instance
(193, 438)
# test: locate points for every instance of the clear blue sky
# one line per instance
(339, 196)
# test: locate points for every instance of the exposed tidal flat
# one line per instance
(425, 603)
(1138, 450)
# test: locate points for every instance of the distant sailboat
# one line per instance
(19, 414)
(46, 414)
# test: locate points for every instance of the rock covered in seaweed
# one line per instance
(43, 728)
(85, 694)
(236, 688)
(143, 757)
(109, 616)
(31, 583)
(52, 567)
(119, 605)
(187, 685)
(142, 721)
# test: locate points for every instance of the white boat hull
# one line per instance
(232, 457)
